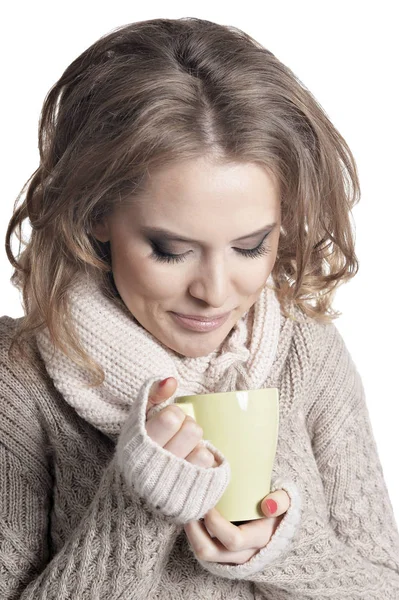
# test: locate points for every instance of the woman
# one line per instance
(190, 222)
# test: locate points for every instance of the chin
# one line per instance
(197, 347)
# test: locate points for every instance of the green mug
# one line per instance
(243, 425)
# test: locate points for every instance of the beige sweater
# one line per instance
(90, 507)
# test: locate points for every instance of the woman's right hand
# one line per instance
(175, 431)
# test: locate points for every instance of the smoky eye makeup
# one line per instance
(162, 242)
(163, 254)
(162, 245)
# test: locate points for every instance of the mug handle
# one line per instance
(188, 408)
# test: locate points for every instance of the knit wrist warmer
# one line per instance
(169, 485)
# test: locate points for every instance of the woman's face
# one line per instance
(230, 217)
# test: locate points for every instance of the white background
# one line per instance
(346, 53)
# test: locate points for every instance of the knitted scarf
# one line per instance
(130, 355)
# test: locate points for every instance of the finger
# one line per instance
(278, 505)
(211, 549)
(158, 393)
(163, 426)
(252, 534)
(186, 439)
(216, 460)
(201, 457)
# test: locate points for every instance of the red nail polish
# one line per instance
(271, 505)
(161, 383)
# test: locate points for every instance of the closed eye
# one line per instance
(167, 257)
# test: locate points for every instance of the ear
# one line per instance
(101, 230)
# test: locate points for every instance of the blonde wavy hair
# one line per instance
(154, 92)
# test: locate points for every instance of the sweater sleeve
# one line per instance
(342, 542)
(121, 544)
(170, 485)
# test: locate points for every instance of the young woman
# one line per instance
(190, 222)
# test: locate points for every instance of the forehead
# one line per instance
(200, 189)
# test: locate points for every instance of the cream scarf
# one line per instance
(130, 355)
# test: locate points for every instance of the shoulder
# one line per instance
(20, 373)
(8, 326)
(308, 350)
(24, 381)
(329, 350)
(34, 416)
(303, 339)
(320, 349)
(312, 339)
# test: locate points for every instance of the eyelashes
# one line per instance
(165, 257)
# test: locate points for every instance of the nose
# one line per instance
(211, 282)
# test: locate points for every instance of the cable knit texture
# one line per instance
(91, 507)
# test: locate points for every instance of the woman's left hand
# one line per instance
(217, 540)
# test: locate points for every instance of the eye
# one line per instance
(161, 256)
(166, 257)
(260, 250)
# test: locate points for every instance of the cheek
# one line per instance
(254, 273)
(136, 275)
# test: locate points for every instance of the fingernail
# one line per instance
(271, 505)
(161, 383)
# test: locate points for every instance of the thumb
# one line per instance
(276, 503)
(161, 391)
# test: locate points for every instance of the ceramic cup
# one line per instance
(243, 425)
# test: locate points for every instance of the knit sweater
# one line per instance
(91, 507)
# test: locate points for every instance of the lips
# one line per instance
(201, 318)
(198, 324)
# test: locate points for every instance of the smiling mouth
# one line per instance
(196, 324)
(203, 318)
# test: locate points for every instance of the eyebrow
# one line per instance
(170, 235)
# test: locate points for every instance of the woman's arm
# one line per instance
(345, 544)
(122, 541)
